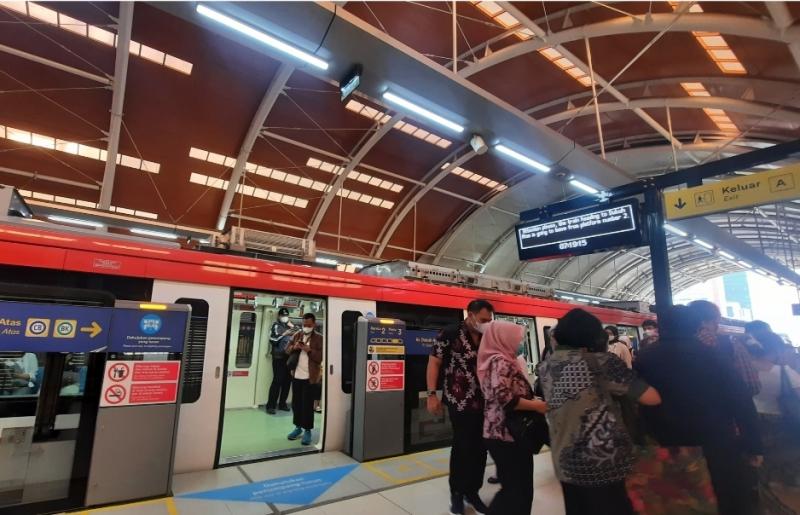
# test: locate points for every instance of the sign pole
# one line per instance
(659, 255)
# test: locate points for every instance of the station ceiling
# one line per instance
(678, 84)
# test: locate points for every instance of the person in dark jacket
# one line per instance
(280, 335)
(705, 404)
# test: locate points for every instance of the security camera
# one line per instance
(478, 144)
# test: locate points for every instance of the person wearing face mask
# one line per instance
(455, 355)
(617, 347)
(280, 335)
(732, 352)
(307, 374)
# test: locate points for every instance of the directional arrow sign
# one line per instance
(740, 192)
(93, 330)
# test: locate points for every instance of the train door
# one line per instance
(204, 359)
(530, 348)
(243, 358)
(258, 414)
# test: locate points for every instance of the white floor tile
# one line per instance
(207, 480)
(368, 505)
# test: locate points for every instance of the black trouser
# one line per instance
(468, 455)
(303, 403)
(515, 473)
(734, 480)
(281, 382)
(597, 500)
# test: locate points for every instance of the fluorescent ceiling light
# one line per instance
(327, 261)
(521, 158)
(75, 221)
(262, 36)
(703, 243)
(762, 272)
(414, 108)
(595, 302)
(154, 234)
(745, 264)
(567, 297)
(675, 230)
(725, 255)
(585, 187)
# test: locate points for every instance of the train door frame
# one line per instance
(221, 422)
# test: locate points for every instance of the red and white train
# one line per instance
(235, 300)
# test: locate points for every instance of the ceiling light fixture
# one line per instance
(75, 221)
(726, 255)
(522, 158)
(762, 272)
(585, 187)
(675, 230)
(262, 37)
(745, 264)
(703, 243)
(154, 234)
(425, 113)
(326, 261)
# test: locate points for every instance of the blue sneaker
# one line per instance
(306, 438)
(294, 435)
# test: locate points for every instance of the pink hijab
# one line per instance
(500, 339)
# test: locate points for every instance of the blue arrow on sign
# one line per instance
(299, 489)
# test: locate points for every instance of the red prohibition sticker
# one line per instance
(115, 394)
(119, 372)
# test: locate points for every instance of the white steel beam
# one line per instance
(125, 22)
(270, 97)
(609, 88)
(744, 26)
(399, 215)
(728, 104)
(783, 19)
(54, 64)
(363, 150)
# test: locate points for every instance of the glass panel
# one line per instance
(259, 391)
(41, 396)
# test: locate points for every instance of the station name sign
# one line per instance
(595, 229)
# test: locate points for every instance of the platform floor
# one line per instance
(330, 484)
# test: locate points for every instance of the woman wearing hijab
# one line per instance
(505, 386)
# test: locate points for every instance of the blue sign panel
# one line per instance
(299, 489)
(32, 327)
(420, 341)
(137, 330)
(385, 334)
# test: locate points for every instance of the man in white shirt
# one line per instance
(618, 347)
(307, 346)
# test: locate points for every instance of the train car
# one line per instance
(235, 301)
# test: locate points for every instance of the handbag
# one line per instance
(528, 429)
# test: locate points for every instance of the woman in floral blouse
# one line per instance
(505, 386)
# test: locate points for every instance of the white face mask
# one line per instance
(284, 319)
(308, 330)
(610, 337)
(649, 332)
(482, 328)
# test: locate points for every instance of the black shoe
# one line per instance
(456, 504)
(493, 480)
(271, 411)
(284, 408)
(475, 501)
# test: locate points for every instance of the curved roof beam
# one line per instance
(362, 152)
(728, 104)
(738, 80)
(600, 81)
(256, 124)
(784, 19)
(391, 225)
(733, 25)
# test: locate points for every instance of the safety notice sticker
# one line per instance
(386, 375)
(129, 383)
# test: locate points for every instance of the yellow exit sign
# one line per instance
(752, 190)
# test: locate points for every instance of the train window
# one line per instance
(349, 319)
(247, 333)
(195, 352)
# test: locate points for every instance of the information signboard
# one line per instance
(420, 341)
(138, 330)
(596, 229)
(130, 383)
(34, 327)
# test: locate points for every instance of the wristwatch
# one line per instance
(431, 392)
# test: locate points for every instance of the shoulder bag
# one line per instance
(528, 429)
